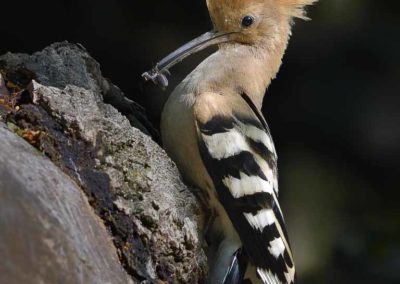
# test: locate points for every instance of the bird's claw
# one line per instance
(158, 77)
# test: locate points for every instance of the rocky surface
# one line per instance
(48, 228)
(58, 102)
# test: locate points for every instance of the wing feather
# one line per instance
(237, 150)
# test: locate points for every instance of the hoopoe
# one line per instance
(213, 128)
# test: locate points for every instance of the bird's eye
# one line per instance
(247, 21)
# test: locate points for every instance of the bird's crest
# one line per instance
(295, 8)
(292, 8)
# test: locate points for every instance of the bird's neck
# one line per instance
(241, 68)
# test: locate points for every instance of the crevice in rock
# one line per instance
(130, 183)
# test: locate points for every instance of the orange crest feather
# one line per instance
(295, 8)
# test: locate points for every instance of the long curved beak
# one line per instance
(161, 69)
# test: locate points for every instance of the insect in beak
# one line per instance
(160, 71)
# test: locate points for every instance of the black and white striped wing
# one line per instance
(239, 155)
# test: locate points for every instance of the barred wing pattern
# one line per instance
(240, 157)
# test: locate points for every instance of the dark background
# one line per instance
(333, 111)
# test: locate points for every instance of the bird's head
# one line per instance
(254, 22)
(259, 23)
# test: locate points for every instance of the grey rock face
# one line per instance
(63, 64)
(130, 182)
(49, 233)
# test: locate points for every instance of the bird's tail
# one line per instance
(237, 269)
(254, 275)
(241, 271)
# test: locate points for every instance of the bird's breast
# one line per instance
(179, 138)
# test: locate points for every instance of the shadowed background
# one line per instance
(333, 112)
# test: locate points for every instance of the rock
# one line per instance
(63, 64)
(130, 182)
(49, 232)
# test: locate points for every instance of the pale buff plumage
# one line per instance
(245, 64)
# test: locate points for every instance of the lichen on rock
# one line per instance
(129, 180)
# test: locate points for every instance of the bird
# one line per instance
(213, 128)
